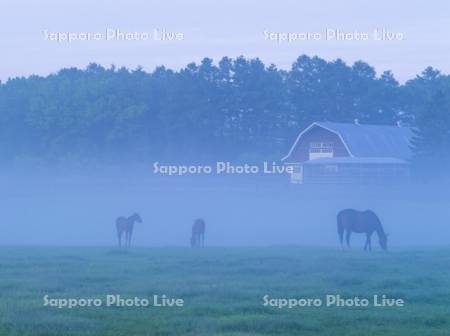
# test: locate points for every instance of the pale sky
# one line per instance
(222, 28)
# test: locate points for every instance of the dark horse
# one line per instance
(125, 225)
(367, 222)
(198, 233)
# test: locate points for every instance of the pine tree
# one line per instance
(431, 141)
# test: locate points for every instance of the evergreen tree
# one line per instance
(431, 143)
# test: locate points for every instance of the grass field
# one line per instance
(223, 290)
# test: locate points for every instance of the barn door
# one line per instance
(297, 174)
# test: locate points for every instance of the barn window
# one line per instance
(320, 150)
(321, 147)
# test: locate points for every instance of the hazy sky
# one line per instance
(221, 28)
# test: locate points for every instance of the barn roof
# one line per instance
(368, 140)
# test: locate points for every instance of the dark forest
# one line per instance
(236, 109)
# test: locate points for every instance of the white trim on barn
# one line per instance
(310, 127)
(375, 152)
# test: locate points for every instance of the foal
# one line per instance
(125, 225)
(198, 233)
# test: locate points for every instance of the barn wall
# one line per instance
(317, 134)
(351, 173)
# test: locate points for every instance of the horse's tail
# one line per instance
(119, 222)
(340, 228)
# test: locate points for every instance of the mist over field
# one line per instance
(205, 169)
(112, 124)
(55, 207)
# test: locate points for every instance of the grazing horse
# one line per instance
(367, 222)
(125, 225)
(198, 233)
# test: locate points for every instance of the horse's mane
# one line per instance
(376, 219)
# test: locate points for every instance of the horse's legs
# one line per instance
(341, 233)
(347, 237)
(368, 244)
(203, 239)
(129, 238)
(130, 234)
(119, 236)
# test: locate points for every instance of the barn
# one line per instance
(329, 152)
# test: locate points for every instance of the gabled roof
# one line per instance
(368, 140)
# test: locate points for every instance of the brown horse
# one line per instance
(367, 222)
(125, 225)
(198, 233)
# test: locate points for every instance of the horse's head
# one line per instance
(383, 241)
(137, 218)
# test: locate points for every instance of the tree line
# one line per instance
(236, 109)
